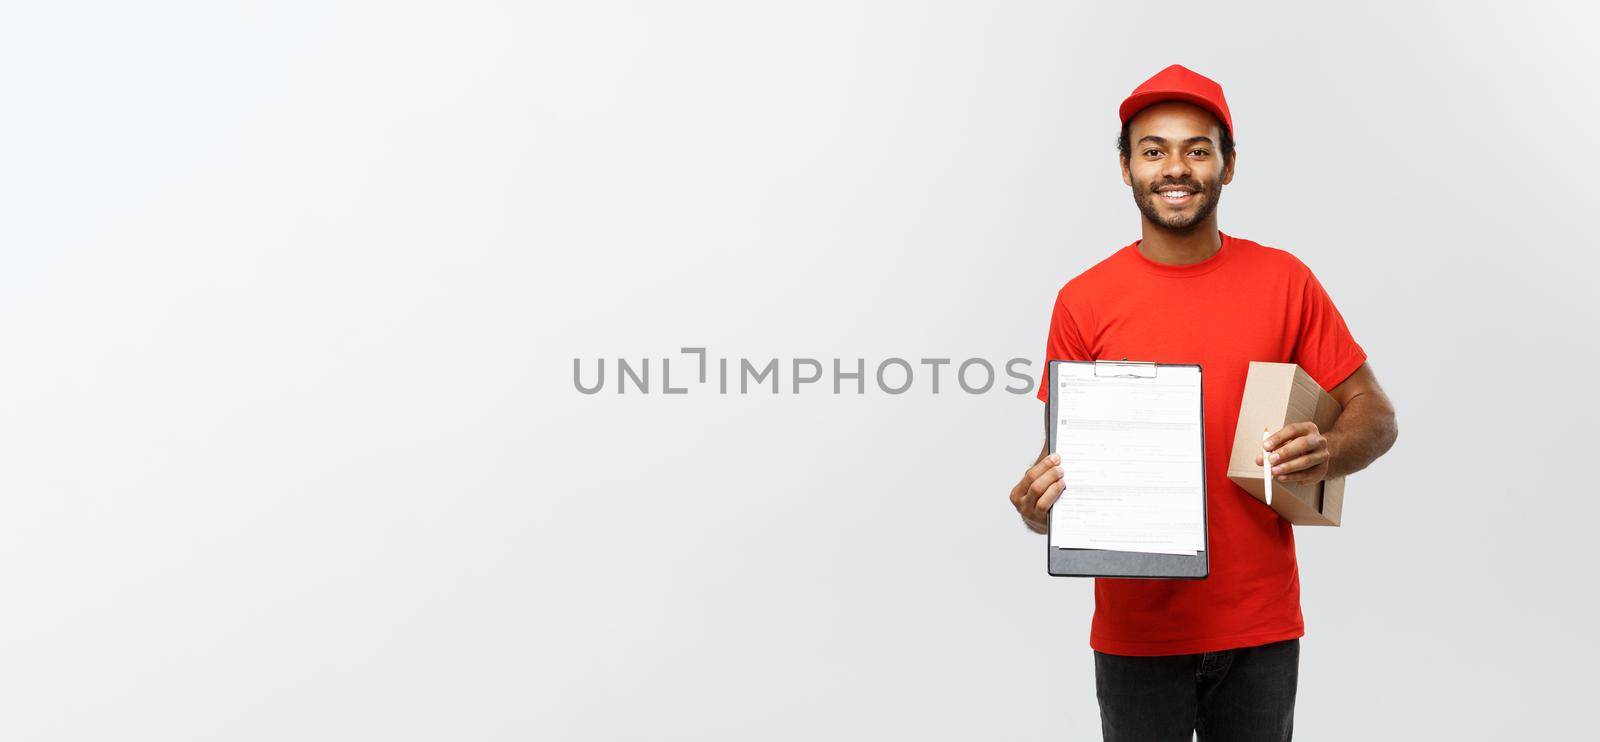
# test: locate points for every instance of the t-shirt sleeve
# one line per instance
(1325, 348)
(1064, 343)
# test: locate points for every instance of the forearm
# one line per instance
(1364, 430)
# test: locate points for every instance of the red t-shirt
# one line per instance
(1246, 303)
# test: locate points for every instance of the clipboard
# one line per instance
(1070, 562)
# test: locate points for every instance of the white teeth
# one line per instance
(1174, 194)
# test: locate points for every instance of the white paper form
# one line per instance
(1132, 460)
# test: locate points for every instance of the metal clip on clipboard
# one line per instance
(1125, 369)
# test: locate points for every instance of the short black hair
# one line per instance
(1125, 148)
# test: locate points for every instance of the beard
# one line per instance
(1207, 195)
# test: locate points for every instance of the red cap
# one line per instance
(1179, 83)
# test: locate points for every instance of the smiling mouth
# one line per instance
(1176, 196)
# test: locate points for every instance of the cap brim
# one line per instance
(1136, 103)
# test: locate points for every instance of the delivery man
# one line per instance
(1218, 656)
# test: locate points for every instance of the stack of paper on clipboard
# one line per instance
(1132, 457)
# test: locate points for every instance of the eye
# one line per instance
(1152, 153)
(1200, 152)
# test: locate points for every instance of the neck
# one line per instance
(1180, 247)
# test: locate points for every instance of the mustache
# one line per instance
(1195, 185)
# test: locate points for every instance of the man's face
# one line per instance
(1175, 164)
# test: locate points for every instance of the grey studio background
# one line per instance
(291, 447)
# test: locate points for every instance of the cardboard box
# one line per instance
(1275, 395)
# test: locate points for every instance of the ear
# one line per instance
(1127, 176)
(1227, 170)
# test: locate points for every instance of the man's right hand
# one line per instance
(1038, 490)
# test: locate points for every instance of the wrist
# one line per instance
(1334, 443)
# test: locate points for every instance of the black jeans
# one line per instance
(1236, 695)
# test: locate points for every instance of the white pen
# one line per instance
(1266, 465)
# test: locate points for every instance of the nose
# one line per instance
(1176, 168)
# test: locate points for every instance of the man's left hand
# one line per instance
(1299, 452)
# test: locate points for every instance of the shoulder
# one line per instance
(1103, 275)
(1269, 259)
